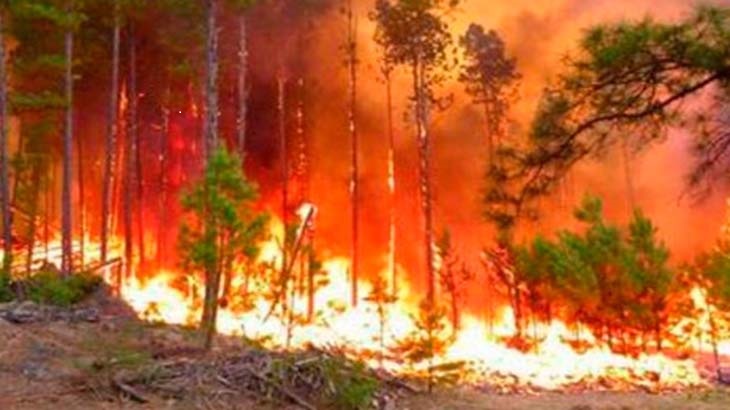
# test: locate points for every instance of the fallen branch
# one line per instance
(295, 398)
(128, 390)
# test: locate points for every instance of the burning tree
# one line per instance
(425, 343)
(381, 298)
(489, 76)
(712, 272)
(453, 277)
(414, 34)
(221, 227)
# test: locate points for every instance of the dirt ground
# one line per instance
(62, 365)
(707, 400)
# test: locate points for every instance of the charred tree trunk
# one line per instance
(424, 151)
(391, 182)
(352, 121)
(162, 206)
(82, 203)
(284, 158)
(33, 214)
(211, 85)
(129, 148)
(111, 141)
(134, 136)
(7, 234)
(66, 218)
(242, 86)
(213, 274)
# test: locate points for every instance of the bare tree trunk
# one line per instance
(391, 183)
(7, 234)
(129, 148)
(111, 140)
(33, 214)
(82, 202)
(352, 120)
(211, 86)
(284, 158)
(213, 275)
(242, 86)
(162, 206)
(424, 151)
(66, 218)
(490, 138)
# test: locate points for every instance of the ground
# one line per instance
(85, 363)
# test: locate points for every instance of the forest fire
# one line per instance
(269, 193)
(479, 349)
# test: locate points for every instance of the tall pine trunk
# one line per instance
(7, 234)
(284, 158)
(81, 203)
(66, 218)
(424, 153)
(162, 204)
(111, 142)
(211, 85)
(129, 148)
(352, 121)
(242, 86)
(212, 274)
(391, 183)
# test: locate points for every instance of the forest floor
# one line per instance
(94, 361)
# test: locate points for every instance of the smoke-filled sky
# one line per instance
(539, 34)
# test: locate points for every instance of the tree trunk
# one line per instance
(242, 86)
(211, 85)
(162, 206)
(33, 214)
(424, 151)
(7, 234)
(82, 203)
(213, 274)
(129, 148)
(66, 218)
(111, 140)
(352, 120)
(284, 158)
(391, 184)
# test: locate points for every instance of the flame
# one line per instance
(169, 297)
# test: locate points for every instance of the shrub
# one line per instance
(6, 293)
(51, 288)
(354, 389)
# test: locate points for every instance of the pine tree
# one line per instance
(221, 225)
(415, 34)
(489, 76)
(111, 137)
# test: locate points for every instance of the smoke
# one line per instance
(301, 41)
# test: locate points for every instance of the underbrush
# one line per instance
(52, 288)
(6, 293)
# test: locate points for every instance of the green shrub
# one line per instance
(6, 294)
(51, 288)
(353, 387)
